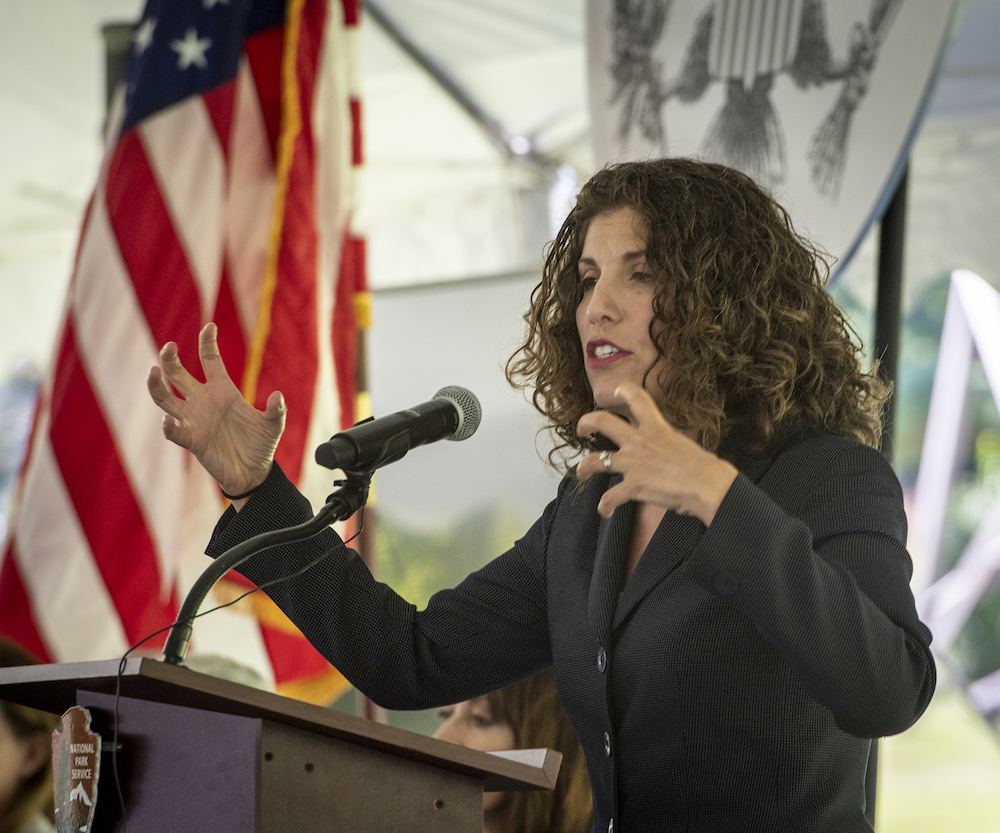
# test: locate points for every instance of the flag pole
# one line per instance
(117, 39)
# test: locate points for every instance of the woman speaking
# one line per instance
(721, 581)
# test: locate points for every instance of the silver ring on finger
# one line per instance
(606, 459)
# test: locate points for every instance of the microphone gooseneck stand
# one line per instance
(343, 503)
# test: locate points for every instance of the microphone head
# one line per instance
(470, 412)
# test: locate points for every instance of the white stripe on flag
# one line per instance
(118, 349)
(74, 611)
(250, 201)
(183, 150)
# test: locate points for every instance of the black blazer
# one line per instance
(732, 685)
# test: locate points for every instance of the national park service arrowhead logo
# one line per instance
(76, 764)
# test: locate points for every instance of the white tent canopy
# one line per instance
(444, 201)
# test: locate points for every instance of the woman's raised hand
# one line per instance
(232, 440)
(659, 464)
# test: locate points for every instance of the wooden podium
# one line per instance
(197, 753)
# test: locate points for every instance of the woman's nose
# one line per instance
(602, 303)
(449, 731)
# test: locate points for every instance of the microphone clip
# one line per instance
(343, 503)
(352, 490)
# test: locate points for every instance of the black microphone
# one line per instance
(453, 414)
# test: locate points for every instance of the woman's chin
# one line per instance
(494, 812)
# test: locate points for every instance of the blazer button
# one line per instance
(726, 584)
(602, 660)
(607, 745)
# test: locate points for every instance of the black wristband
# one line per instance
(239, 497)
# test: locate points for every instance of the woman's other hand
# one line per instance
(658, 464)
(232, 440)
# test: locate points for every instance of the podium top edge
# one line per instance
(54, 688)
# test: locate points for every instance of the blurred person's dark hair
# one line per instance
(35, 793)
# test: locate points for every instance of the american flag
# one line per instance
(227, 193)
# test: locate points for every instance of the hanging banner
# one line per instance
(817, 101)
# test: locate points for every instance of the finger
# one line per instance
(161, 394)
(612, 499)
(639, 401)
(174, 431)
(275, 408)
(590, 465)
(274, 415)
(209, 355)
(604, 422)
(184, 383)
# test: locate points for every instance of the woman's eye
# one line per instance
(587, 283)
(482, 721)
(444, 714)
(642, 277)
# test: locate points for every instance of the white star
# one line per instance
(143, 36)
(208, 4)
(191, 50)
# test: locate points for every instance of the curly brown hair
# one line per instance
(756, 348)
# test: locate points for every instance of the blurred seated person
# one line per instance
(227, 668)
(525, 715)
(25, 758)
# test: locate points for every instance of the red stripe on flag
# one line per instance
(292, 658)
(350, 281)
(264, 53)
(219, 103)
(17, 621)
(350, 12)
(101, 493)
(357, 148)
(232, 346)
(153, 255)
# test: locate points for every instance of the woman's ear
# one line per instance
(37, 751)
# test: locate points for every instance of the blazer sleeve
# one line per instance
(490, 630)
(825, 580)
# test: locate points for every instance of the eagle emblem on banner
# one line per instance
(817, 101)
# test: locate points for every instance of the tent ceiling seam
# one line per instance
(511, 145)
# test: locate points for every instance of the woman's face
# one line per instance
(617, 307)
(471, 724)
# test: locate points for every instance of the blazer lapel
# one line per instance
(609, 568)
(756, 467)
(673, 539)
